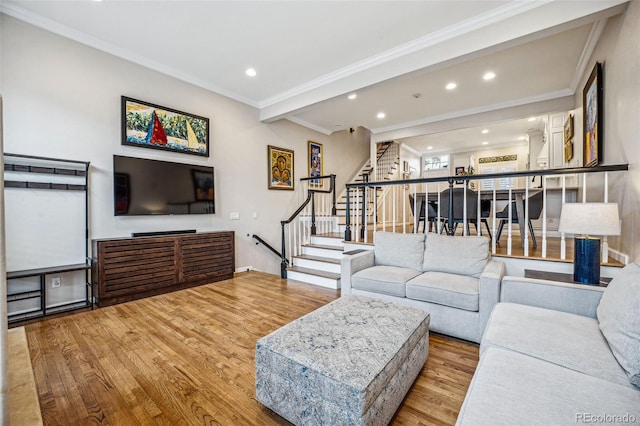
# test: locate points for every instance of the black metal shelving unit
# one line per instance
(16, 164)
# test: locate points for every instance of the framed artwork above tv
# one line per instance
(153, 126)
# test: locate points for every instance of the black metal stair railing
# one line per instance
(316, 185)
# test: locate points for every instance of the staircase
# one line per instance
(319, 261)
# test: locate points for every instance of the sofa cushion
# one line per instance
(509, 388)
(458, 291)
(456, 255)
(568, 340)
(619, 317)
(401, 250)
(383, 279)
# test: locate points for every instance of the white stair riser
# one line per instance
(316, 264)
(314, 279)
(317, 251)
(327, 241)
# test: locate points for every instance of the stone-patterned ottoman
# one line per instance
(349, 362)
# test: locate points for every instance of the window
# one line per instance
(497, 167)
(436, 162)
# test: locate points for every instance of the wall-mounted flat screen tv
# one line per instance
(153, 187)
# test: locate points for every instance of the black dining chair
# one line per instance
(535, 209)
(432, 214)
(458, 209)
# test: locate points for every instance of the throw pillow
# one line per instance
(619, 318)
(401, 250)
(456, 255)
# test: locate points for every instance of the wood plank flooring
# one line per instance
(187, 358)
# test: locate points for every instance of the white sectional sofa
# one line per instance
(452, 278)
(559, 354)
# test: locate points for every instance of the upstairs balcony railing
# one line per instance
(479, 209)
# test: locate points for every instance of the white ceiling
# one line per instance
(309, 55)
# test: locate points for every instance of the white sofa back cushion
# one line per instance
(401, 250)
(619, 318)
(456, 255)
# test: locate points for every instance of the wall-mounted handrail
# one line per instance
(266, 244)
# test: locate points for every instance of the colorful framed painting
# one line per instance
(316, 165)
(281, 174)
(592, 118)
(153, 126)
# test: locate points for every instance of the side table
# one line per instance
(559, 276)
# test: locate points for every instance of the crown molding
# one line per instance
(308, 125)
(499, 14)
(96, 43)
(589, 46)
(479, 110)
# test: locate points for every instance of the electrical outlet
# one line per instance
(55, 282)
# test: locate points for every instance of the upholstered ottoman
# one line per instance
(349, 362)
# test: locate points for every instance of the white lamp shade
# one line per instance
(590, 218)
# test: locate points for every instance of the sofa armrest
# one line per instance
(352, 263)
(579, 299)
(490, 282)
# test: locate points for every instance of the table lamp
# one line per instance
(584, 220)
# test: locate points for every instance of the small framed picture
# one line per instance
(316, 166)
(280, 168)
(460, 172)
(568, 128)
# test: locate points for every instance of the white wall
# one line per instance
(618, 51)
(62, 100)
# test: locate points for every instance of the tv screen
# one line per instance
(153, 187)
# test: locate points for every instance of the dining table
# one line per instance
(515, 194)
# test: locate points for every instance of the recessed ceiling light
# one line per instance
(451, 86)
(485, 131)
(251, 72)
(531, 119)
(352, 96)
(485, 143)
(429, 147)
(521, 138)
(381, 115)
(489, 75)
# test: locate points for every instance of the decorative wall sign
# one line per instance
(280, 168)
(154, 126)
(510, 157)
(592, 100)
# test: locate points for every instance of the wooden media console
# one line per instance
(126, 269)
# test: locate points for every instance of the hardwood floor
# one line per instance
(187, 358)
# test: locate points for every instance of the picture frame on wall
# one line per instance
(568, 128)
(592, 118)
(460, 172)
(148, 125)
(315, 161)
(281, 172)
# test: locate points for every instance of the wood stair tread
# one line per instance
(318, 258)
(316, 272)
(337, 235)
(322, 246)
